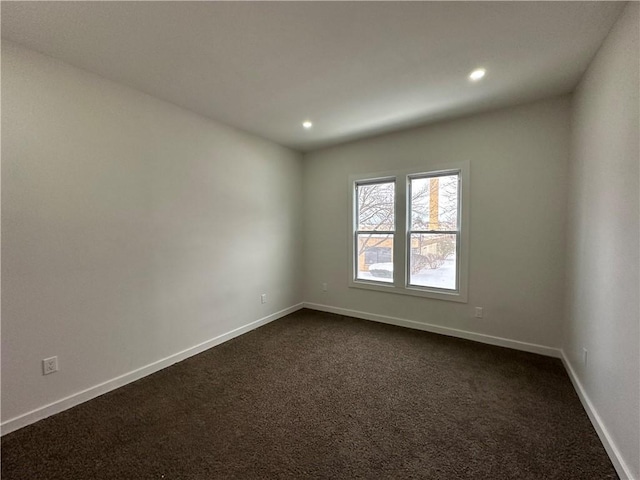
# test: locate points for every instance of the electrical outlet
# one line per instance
(479, 312)
(584, 356)
(49, 365)
(324, 287)
(263, 298)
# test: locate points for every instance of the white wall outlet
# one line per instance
(584, 356)
(49, 365)
(479, 312)
(324, 287)
(263, 298)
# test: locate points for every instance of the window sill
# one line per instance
(458, 296)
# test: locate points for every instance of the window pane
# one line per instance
(434, 203)
(433, 261)
(376, 206)
(375, 257)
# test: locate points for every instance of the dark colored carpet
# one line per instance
(316, 395)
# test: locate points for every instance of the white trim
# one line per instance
(102, 388)
(400, 250)
(623, 470)
(409, 290)
(452, 332)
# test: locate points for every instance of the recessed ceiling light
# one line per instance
(307, 124)
(477, 74)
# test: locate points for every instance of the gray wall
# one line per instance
(603, 250)
(132, 229)
(518, 159)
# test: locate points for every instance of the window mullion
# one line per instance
(400, 243)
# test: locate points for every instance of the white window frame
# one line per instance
(401, 250)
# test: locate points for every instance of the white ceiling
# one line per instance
(353, 68)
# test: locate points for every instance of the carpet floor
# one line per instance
(316, 395)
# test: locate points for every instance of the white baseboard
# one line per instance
(102, 388)
(80, 397)
(452, 332)
(623, 470)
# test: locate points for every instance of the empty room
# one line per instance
(324, 240)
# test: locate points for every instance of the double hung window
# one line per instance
(409, 232)
(375, 230)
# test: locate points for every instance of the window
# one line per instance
(409, 232)
(433, 230)
(375, 230)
